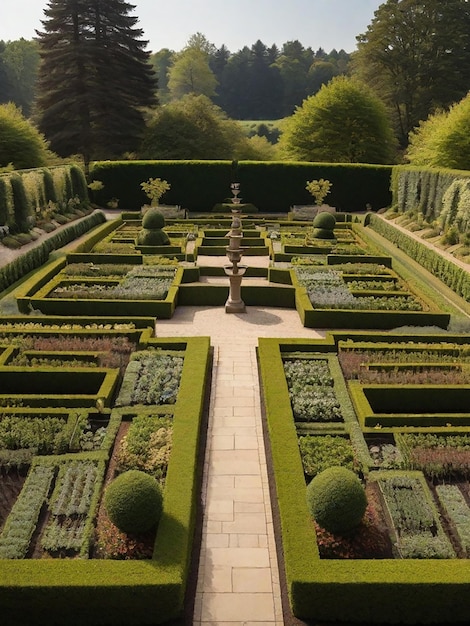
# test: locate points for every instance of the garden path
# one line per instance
(238, 577)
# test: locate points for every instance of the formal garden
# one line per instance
(99, 416)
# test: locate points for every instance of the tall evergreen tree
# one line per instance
(94, 78)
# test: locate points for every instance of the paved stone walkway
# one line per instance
(238, 578)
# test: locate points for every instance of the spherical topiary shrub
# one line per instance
(153, 220)
(152, 233)
(337, 500)
(323, 225)
(134, 501)
(324, 220)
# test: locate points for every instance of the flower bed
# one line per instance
(361, 567)
(77, 590)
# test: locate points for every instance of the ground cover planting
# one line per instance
(415, 529)
(56, 463)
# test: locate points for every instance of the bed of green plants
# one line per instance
(91, 572)
(414, 536)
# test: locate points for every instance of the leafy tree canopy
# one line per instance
(443, 140)
(21, 144)
(20, 60)
(416, 56)
(190, 73)
(195, 128)
(343, 123)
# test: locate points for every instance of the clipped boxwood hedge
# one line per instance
(448, 272)
(370, 591)
(131, 593)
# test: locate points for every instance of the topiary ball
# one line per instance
(153, 220)
(324, 220)
(337, 500)
(147, 237)
(323, 233)
(134, 502)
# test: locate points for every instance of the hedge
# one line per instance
(48, 387)
(37, 256)
(131, 593)
(35, 291)
(371, 591)
(448, 272)
(273, 187)
(390, 406)
(425, 189)
(347, 318)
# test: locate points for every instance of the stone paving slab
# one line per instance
(238, 577)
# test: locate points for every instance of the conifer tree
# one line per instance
(94, 78)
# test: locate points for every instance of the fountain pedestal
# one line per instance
(235, 271)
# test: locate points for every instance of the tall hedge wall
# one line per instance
(24, 192)
(435, 193)
(271, 186)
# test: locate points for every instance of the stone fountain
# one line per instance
(235, 271)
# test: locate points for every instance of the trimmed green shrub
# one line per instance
(323, 233)
(153, 220)
(148, 237)
(324, 220)
(49, 187)
(337, 500)
(21, 202)
(152, 234)
(79, 184)
(134, 502)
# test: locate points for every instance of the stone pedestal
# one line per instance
(235, 303)
(235, 271)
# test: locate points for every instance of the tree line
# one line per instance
(255, 83)
(99, 93)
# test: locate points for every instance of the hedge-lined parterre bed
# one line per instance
(338, 296)
(99, 591)
(91, 288)
(417, 578)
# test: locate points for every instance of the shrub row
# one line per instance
(271, 187)
(22, 193)
(435, 193)
(38, 255)
(448, 272)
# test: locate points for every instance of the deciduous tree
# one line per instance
(21, 59)
(443, 140)
(344, 122)
(21, 144)
(191, 128)
(416, 55)
(190, 72)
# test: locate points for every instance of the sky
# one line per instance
(317, 24)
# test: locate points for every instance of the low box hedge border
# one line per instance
(83, 322)
(33, 295)
(71, 397)
(130, 593)
(347, 318)
(370, 591)
(370, 419)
